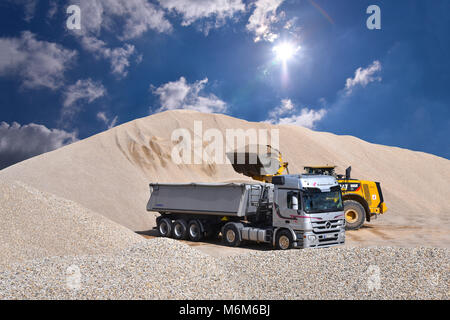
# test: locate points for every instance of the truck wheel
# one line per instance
(195, 230)
(230, 235)
(180, 229)
(284, 240)
(354, 215)
(165, 227)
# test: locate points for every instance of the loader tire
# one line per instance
(180, 229)
(165, 227)
(354, 215)
(231, 235)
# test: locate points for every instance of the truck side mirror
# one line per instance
(294, 202)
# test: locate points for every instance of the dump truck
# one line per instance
(294, 211)
(363, 199)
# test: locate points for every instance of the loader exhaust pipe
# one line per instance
(348, 172)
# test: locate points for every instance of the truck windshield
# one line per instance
(318, 202)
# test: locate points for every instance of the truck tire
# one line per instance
(284, 240)
(354, 215)
(231, 235)
(165, 227)
(195, 232)
(180, 229)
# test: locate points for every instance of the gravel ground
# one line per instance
(168, 269)
(35, 224)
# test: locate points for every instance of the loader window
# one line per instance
(319, 202)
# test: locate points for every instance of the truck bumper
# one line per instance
(324, 240)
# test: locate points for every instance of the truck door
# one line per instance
(286, 209)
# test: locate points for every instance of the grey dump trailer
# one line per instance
(293, 211)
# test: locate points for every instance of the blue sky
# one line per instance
(137, 57)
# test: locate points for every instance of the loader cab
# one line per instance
(329, 171)
(325, 170)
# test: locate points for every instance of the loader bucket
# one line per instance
(254, 161)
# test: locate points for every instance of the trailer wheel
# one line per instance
(165, 227)
(180, 229)
(230, 235)
(284, 240)
(195, 230)
(354, 215)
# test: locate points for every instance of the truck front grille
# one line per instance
(326, 226)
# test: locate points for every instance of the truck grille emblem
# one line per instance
(328, 225)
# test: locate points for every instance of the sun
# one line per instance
(285, 51)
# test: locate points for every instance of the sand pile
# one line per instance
(109, 174)
(35, 224)
(168, 269)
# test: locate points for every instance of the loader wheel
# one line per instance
(165, 227)
(180, 229)
(354, 215)
(195, 231)
(284, 240)
(230, 235)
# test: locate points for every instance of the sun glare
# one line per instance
(285, 51)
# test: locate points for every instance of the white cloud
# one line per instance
(286, 107)
(18, 143)
(81, 90)
(119, 57)
(306, 118)
(108, 122)
(182, 95)
(364, 76)
(134, 17)
(193, 10)
(38, 63)
(262, 19)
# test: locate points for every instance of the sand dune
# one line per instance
(109, 174)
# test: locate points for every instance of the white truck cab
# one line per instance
(311, 208)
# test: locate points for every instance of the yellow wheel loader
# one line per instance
(363, 200)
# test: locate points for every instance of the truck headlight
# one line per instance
(312, 238)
